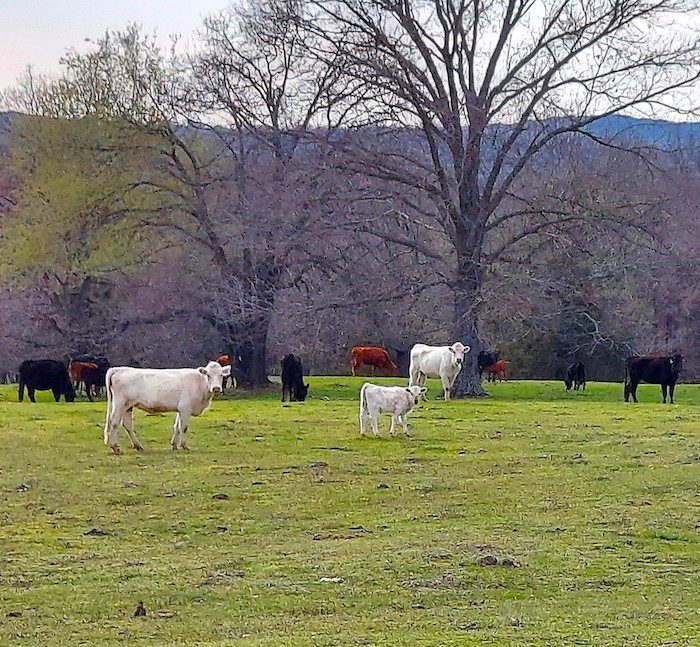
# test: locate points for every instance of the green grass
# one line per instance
(595, 499)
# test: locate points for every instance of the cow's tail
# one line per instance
(110, 403)
(363, 401)
(627, 380)
(20, 389)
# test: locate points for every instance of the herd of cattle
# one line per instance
(189, 391)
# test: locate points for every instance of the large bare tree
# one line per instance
(487, 86)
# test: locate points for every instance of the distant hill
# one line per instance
(650, 132)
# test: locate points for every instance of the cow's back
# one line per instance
(157, 389)
(43, 373)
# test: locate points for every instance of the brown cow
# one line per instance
(225, 360)
(75, 370)
(371, 356)
(499, 370)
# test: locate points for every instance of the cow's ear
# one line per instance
(466, 349)
(203, 370)
(424, 389)
(226, 370)
(408, 390)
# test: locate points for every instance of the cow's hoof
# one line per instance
(116, 450)
(185, 447)
(138, 448)
(174, 448)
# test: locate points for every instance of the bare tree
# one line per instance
(488, 85)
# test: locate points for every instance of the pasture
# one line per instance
(317, 536)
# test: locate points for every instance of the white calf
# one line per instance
(396, 400)
(444, 362)
(189, 391)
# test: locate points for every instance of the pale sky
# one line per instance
(38, 32)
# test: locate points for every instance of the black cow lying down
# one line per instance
(575, 376)
(653, 370)
(293, 379)
(45, 375)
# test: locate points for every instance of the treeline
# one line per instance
(308, 178)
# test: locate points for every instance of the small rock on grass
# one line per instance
(95, 532)
(382, 486)
(220, 496)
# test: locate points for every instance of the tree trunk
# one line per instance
(468, 286)
(249, 355)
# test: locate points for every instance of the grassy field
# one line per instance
(588, 505)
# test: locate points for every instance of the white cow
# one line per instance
(396, 400)
(189, 391)
(444, 362)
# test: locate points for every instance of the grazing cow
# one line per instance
(575, 376)
(75, 370)
(653, 370)
(293, 379)
(486, 358)
(45, 375)
(444, 362)
(189, 391)
(371, 356)
(499, 370)
(396, 400)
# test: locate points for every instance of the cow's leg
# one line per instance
(284, 388)
(446, 386)
(353, 366)
(128, 422)
(374, 420)
(633, 390)
(663, 392)
(175, 440)
(184, 422)
(393, 424)
(362, 423)
(671, 388)
(413, 377)
(56, 394)
(30, 393)
(114, 418)
(404, 423)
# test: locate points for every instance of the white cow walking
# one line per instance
(444, 362)
(189, 391)
(396, 400)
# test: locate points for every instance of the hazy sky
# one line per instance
(38, 32)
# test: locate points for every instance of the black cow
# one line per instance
(486, 358)
(45, 375)
(94, 378)
(575, 376)
(293, 379)
(652, 370)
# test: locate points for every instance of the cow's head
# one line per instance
(302, 392)
(457, 352)
(215, 374)
(415, 393)
(676, 362)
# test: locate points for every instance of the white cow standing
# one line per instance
(396, 400)
(444, 362)
(189, 391)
